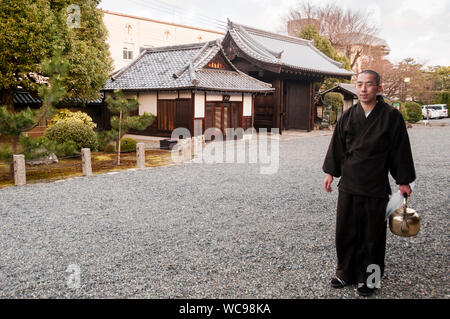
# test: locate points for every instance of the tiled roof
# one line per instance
(284, 51)
(25, 98)
(181, 67)
(348, 88)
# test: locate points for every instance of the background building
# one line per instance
(292, 65)
(128, 34)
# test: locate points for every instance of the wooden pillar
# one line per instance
(253, 110)
(20, 177)
(311, 106)
(277, 106)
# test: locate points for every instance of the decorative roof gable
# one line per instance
(285, 52)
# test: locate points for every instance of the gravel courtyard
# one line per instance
(214, 231)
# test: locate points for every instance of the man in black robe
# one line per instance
(369, 141)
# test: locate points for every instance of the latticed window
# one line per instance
(128, 49)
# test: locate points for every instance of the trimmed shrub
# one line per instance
(403, 110)
(82, 134)
(67, 115)
(128, 145)
(331, 116)
(34, 148)
(336, 100)
(68, 148)
(412, 112)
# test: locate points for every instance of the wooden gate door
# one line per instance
(298, 105)
(264, 111)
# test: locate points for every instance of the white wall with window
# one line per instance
(127, 34)
(128, 51)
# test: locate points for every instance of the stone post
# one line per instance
(140, 155)
(86, 161)
(188, 150)
(197, 147)
(20, 177)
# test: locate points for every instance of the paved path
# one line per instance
(213, 231)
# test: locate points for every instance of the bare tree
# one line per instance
(348, 31)
(418, 87)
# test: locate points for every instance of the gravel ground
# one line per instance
(214, 231)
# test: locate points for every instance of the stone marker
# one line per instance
(20, 177)
(140, 155)
(86, 161)
(188, 150)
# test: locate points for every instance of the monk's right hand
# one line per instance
(327, 183)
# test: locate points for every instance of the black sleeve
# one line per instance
(335, 154)
(401, 164)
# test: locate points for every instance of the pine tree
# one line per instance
(31, 30)
(13, 124)
(118, 104)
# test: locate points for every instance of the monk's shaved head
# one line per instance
(375, 74)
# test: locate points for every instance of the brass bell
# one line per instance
(404, 221)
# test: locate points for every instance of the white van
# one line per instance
(441, 109)
(433, 113)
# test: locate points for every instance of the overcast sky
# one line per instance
(412, 28)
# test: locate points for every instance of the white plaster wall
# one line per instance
(247, 105)
(185, 94)
(236, 98)
(214, 97)
(148, 103)
(199, 105)
(167, 95)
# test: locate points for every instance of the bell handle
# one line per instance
(405, 202)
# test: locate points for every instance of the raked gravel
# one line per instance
(214, 231)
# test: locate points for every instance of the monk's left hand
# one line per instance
(405, 189)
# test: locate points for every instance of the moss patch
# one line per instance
(101, 163)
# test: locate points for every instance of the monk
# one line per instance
(369, 142)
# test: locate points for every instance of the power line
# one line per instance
(181, 10)
(164, 8)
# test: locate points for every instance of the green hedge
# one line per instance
(67, 115)
(412, 111)
(82, 134)
(336, 100)
(39, 147)
(33, 148)
(128, 145)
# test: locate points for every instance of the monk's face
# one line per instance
(367, 88)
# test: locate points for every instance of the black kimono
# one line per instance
(362, 152)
